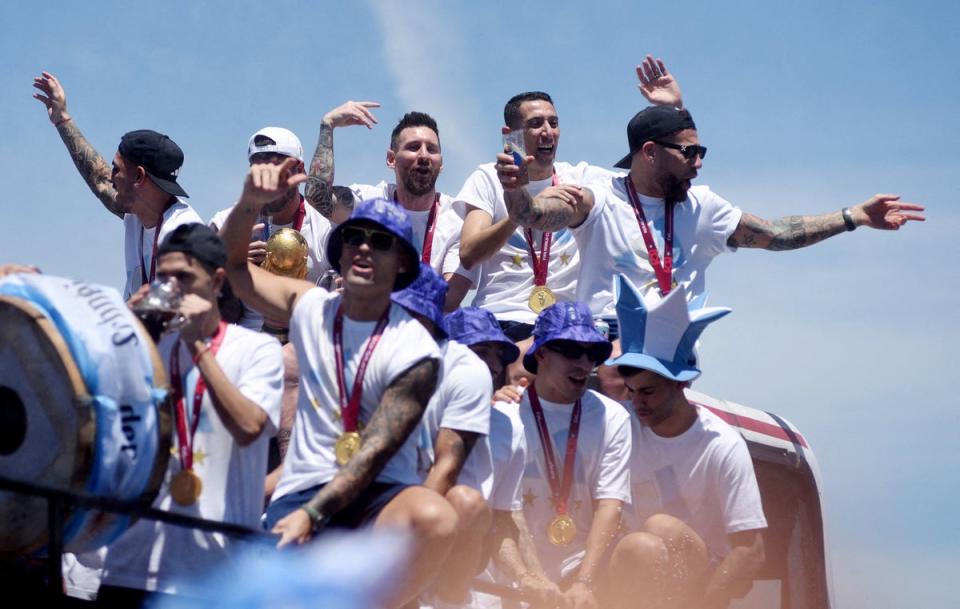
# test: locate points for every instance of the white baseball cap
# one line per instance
(275, 139)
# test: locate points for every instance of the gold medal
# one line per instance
(561, 530)
(186, 486)
(541, 297)
(347, 445)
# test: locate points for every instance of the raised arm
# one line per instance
(94, 170)
(319, 189)
(555, 208)
(395, 418)
(271, 295)
(658, 85)
(882, 211)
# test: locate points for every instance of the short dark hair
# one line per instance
(198, 241)
(511, 112)
(413, 119)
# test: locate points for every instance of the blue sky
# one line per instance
(806, 107)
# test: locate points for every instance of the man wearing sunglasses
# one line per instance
(367, 371)
(518, 265)
(656, 228)
(576, 478)
(416, 160)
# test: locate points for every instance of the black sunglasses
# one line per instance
(689, 151)
(379, 240)
(595, 352)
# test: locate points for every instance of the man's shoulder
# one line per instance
(381, 190)
(218, 219)
(613, 411)
(719, 436)
(243, 341)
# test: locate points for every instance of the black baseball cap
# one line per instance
(652, 123)
(159, 156)
(197, 240)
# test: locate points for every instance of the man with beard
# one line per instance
(274, 145)
(141, 187)
(520, 266)
(621, 224)
(416, 160)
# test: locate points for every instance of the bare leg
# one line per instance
(453, 584)
(662, 566)
(433, 523)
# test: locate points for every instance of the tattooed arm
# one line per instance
(555, 208)
(319, 190)
(883, 212)
(395, 418)
(453, 447)
(94, 170)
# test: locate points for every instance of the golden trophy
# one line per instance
(286, 254)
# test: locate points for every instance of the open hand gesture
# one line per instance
(266, 182)
(885, 212)
(657, 84)
(53, 96)
(352, 113)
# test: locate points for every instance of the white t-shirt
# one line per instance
(506, 278)
(156, 556)
(462, 403)
(310, 459)
(138, 250)
(315, 230)
(445, 252)
(601, 471)
(610, 241)
(704, 477)
(508, 447)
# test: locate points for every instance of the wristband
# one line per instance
(316, 518)
(848, 219)
(62, 121)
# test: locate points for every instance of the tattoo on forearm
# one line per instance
(319, 189)
(788, 233)
(92, 167)
(546, 215)
(398, 414)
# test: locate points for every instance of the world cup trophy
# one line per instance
(286, 254)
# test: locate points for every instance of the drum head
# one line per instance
(47, 425)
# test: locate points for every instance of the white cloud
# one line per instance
(424, 52)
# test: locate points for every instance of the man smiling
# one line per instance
(576, 479)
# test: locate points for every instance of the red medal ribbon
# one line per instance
(185, 441)
(540, 265)
(560, 487)
(426, 251)
(663, 272)
(144, 278)
(350, 407)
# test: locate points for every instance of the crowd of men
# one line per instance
(473, 428)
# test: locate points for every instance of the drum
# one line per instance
(83, 407)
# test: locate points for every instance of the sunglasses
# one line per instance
(595, 352)
(377, 239)
(689, 151)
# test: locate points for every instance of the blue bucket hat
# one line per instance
(564, 321)
(660, 338)
(425, 296)
(391, 218)
(471, 325)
